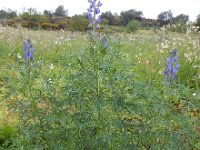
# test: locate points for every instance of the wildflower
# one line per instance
(94, 10)
(194, 94)
(28, 51)
(51, 67)
(172, 67)
(19, 56)
(99, 20)
(104, 42)
(160, 72)
(50, 80)
(99, 4)
(95, 21)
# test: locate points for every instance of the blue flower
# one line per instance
(90, 1)
(104, 42)
(99, 4)
(28, 51)
(89, 9)
(99, 19)
(89, 16)
(172, 67)
(94, 10)
(95, 19)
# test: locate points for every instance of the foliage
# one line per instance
(127, 16)
(198, 21)
(165, 17)
(36, 18)
(7, 14)
(133, 26)
(78, 23)
(179, 23)
(49, 14)
(6, 132)
(189, 74)
(99, 91)
(181, 19)
(149, 23)
(178, 27)
(50, 26)
(60, 11)
(59, 20)
(30, 25)
(113, 19)
(63, 25)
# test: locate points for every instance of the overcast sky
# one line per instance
(150, 8)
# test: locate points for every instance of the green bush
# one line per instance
(133, 26)
(180, 28)
(49, 26)
(62, 25)
(34, 17)
(79, 23)
(30, 25)
(6, 132)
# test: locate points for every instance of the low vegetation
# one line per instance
(99, 89)
(56, 104)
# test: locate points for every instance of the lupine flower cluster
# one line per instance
(93, 11)
(172, 67)
(95, 21)
(104, 42)
(28, 51)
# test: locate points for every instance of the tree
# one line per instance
(33, 18)
(127, 16)
(48, 14)
(181, 19)
(61, 11)
(149, 23)
(11, 14)
(32, 11)
(112, 19)
(108, 16)
(198, 21)
(165, 17)
(7, 14)
(3, 14)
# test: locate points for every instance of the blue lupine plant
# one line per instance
(172, 67)
(93, 11)
(28, 51)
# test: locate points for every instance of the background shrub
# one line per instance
(63, 25)
(133, 26)
(180, 28)
(79, 23)
(31, 25)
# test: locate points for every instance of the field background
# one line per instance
(57, 105)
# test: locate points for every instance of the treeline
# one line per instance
(130, 20)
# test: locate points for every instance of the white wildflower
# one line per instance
(19, 56)
(51, 66)
(160, 72)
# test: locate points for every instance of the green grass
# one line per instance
(60, 108)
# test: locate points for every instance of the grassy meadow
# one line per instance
(71, 97)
